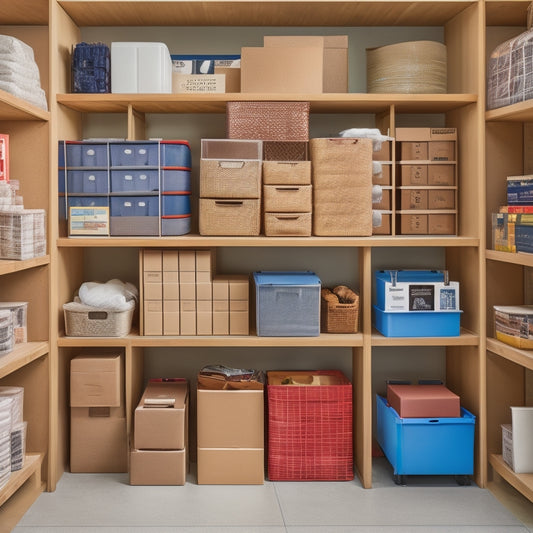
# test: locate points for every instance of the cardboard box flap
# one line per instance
(165, 393)
(94, 363)
(325, 41)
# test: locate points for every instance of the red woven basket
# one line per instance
(310, 427)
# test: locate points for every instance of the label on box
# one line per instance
(437, 296)
(203, 64)
(89, 221)
(198, 83)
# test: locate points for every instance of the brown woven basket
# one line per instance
(268, 121)
(285, 150)
(339, 318)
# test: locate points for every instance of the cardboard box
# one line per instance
(171, 317)
(220, 288)
(171, 287)
(220, 317)
(413, 199)
(441, 150)
(152, 260)
(198, 83)
(204, 317)
(153, 285)
(161, 418)
(96, 381)
(384, 153)
(423, 401)
(425, 134)
(335, 56)
(239, 286)
(441, 199)
(187, 285)
(414, 175)
(158, 467)
(441, 174)
(231, 466)
(442, 224)
(153, 317)
(205, 261)
(187, 317)
(170, 260)
(287, 69)
(414, 151)
(385, 227)
(239, 318)
(233, 78)
(230, 418)
(98, 439)
(411, 224)
(386, 200)
(384, 176)
(432, 144)
(187, 260)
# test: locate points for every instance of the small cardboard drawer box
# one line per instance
(230, 216)
(286, 172)
(423, 401)
(158, 467)
(427, 199)
(428, 224)
(288, 224)
(287, 198)
(161, 418)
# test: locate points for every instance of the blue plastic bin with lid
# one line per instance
(287, 304)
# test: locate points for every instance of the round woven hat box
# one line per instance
(412, 68)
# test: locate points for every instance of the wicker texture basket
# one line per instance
(339, 310)
(230, 217)
(230, 179)
(268, 121)
(285, 151)
(287, 198)
(288, 224)
(287, 172)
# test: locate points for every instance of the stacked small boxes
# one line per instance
(160, 434)
(5, 440)
(230, 187)
(382, 176)
(428, 171)
(7, 339)
(288, 201)
(14, 331)
(18, 426)
(4, 157)
(231, 305)
(125, 188)
(98, 438)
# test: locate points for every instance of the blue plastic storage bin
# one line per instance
(61, 154)
(135, 180)
(418, 324)
(134, 206)
(287, 304)
(134, 153)
(175, 180)
(88, 201)
(175, 204)
(175, 225)
(419, 446)
(175, 154)
(86, 154)
(87, 181)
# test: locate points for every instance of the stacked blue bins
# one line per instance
(134, 196)
(175, 157)
(83, 175)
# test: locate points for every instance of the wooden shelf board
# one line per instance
(193, 240)
(252, 341)
(32, 462)
(519, 112)
(24, 12)
(516, 355)
(519, 258)
(8, 266)
(22, 355)
(13, 108)
(506, 12)
(265, 13)
(523, 483)
(216, 103)
(466, 338)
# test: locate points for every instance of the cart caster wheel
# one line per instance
(463, 481)
(399, 479)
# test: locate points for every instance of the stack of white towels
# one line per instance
(5, 439)
(19, 73)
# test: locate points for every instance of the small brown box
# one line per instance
(384, 176)
(287, 198)
(423, 401)
(441, 174)
(441, 224)
(187, 285)
(171, 317)
(220, 317)
(231, 466)
(170, 260)
(441, 150)
(414, 199)
(239, 286)
(287, 172)
(153, 285)
(187, 260)
(412, 224)
(385, 204)
(204, 291)
(385, 153)
(158, 467)
(385, 227)
(171, 288)
(220, 288)
(239, 323)
(204, 317)
(230, 217)
(153, 317)
(204, 261)
(188, 317)
(441, 199)
(232, 77)
(414, 151)
(414, 174)
(288, 224)
(152, 260)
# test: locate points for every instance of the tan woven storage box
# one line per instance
(342, 186)
(287, 198)
(230, 178)
(286, 172)
(411, 68)
(285, 150)
(88, 321)
(268, 121)
(230, 217)
(288, 224)
(339, 317)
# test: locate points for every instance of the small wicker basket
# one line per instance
(338, 317)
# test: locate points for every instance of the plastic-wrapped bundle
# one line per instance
(91, 68)
(510, 72)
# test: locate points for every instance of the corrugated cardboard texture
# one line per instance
(423, 401)
(158, 467)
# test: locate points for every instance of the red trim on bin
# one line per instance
(175, 216)
(186, 143)
(176, 168)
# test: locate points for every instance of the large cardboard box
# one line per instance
(423, 401)
(335, 56)
(158, 467)
(96, 380)
(231, 466)
(98, 439)
(161, 418)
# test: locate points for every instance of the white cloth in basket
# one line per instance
(113, 295)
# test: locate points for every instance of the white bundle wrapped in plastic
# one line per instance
(114, 295)
(19, 73)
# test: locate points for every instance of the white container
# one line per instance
(140, 68)
(522, 439)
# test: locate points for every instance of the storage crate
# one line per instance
(88, 321)
(309, 426)
(86, 154)
(87, 181)
(287, 304)
(134, 153)
(339, 317)
(285, 150)
(175, 204)
(131, 180)
(174, 180)
(134, 206)
(286, 172)
(175, 225)
(421, 446)
(288, 224)
(287, 198)
(175, 154)
(230, 216)
(268, 121)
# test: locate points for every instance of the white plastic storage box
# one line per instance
(416, 303)
(140, 68)
(287, 304)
